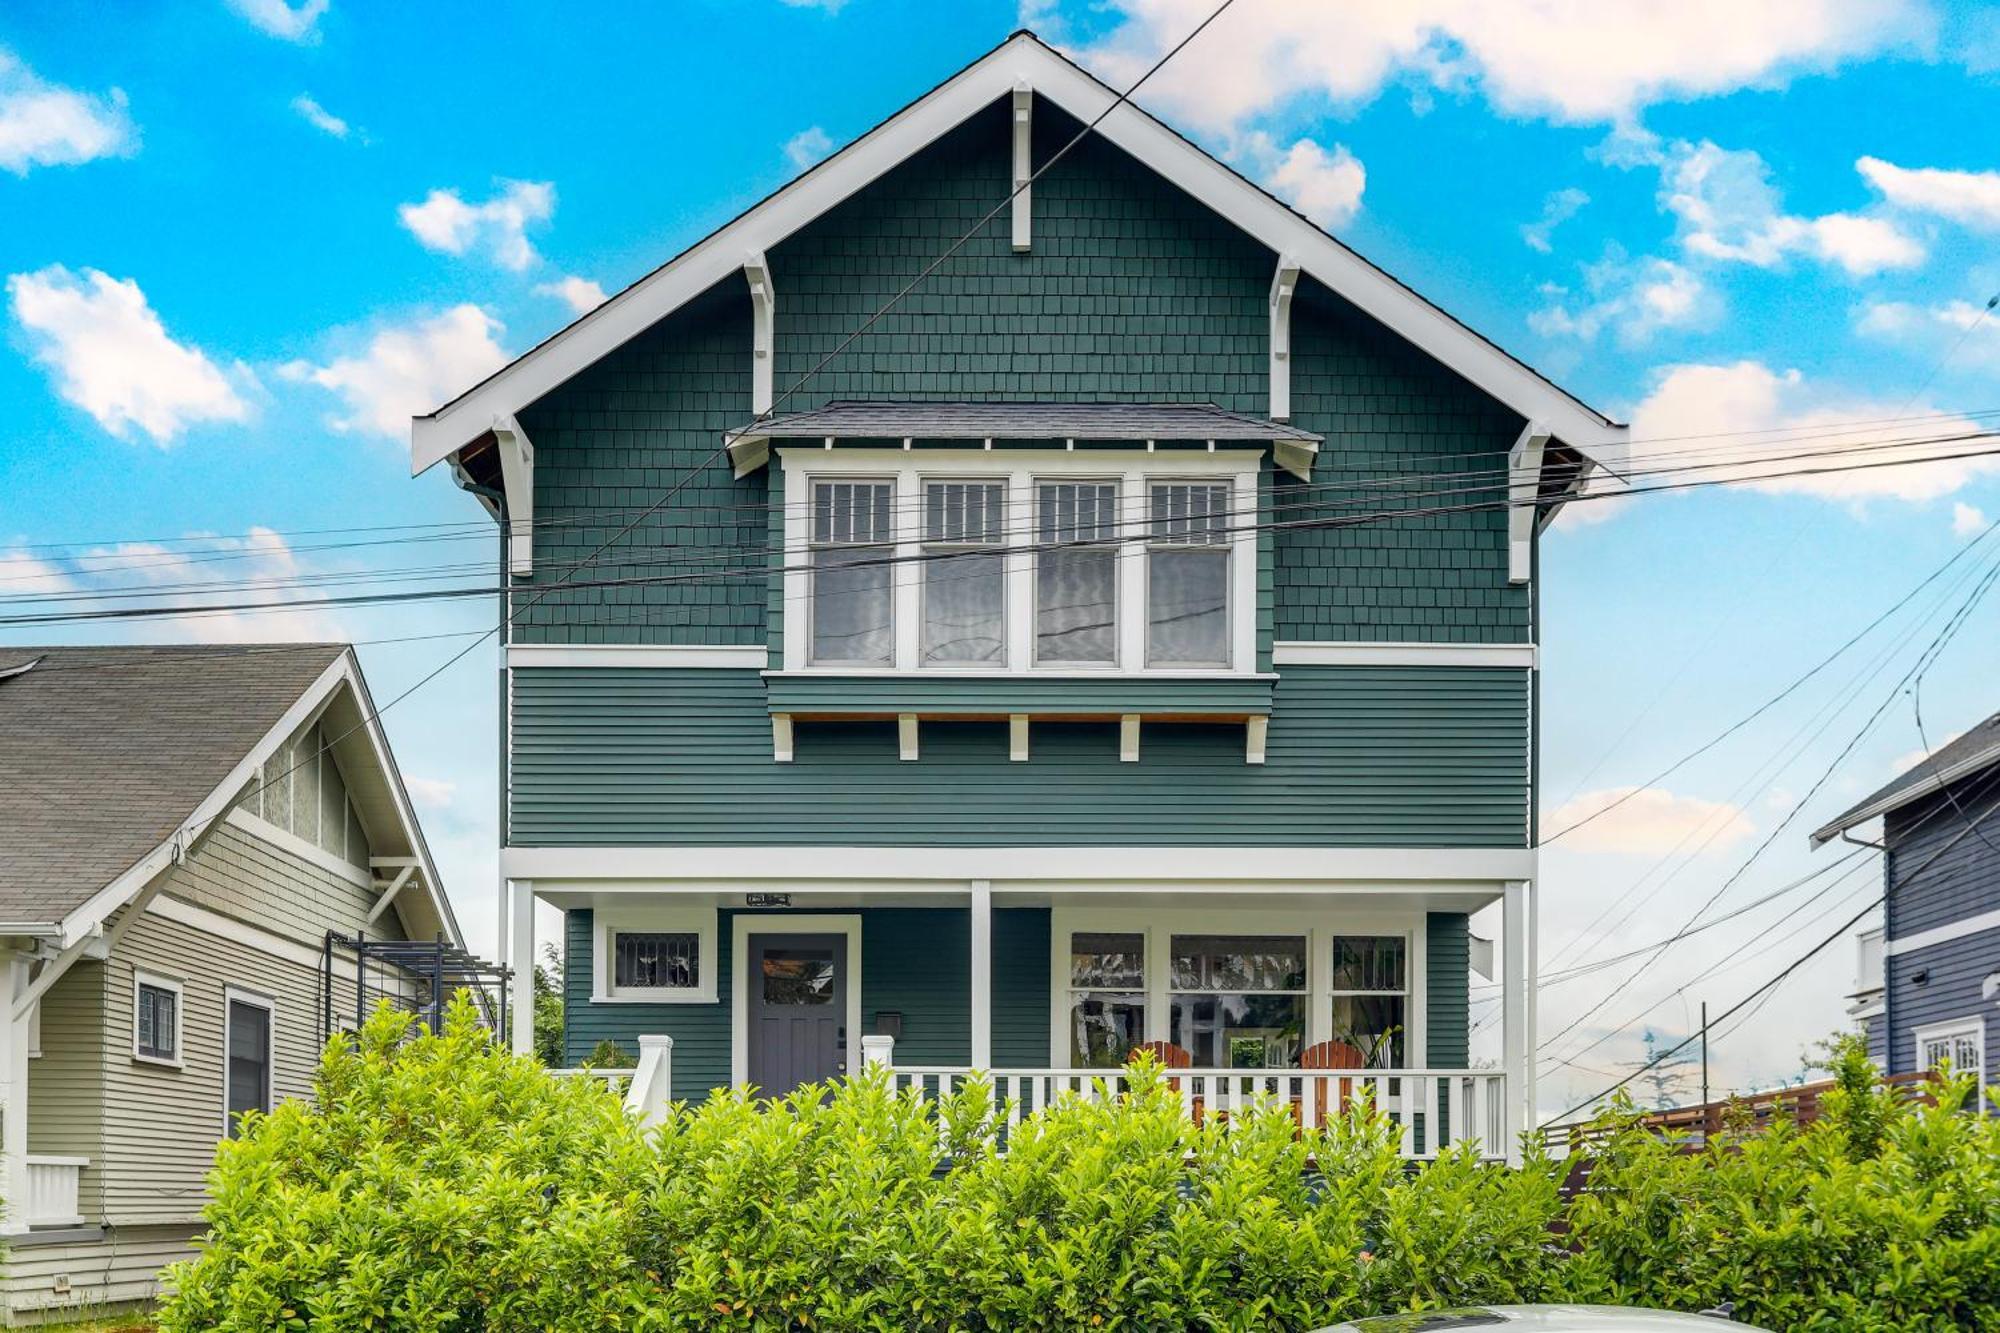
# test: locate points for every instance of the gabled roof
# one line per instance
(1021, 61)
(112, 759)
(1975, 751)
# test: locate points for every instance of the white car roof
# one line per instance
(1539, 1319)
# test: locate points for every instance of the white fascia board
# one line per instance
(681, 656)
(1931, 784)
(1270, 866)
(1022, 59)
(1286, 653)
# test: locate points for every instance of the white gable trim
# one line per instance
(1021, 60)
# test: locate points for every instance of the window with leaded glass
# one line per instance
(656, 959)
(1107, 997)
(1369, 983)
(156, 1019)
(1238, 1001)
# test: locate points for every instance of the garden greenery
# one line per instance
(439, 1183)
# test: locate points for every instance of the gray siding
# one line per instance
(1954, 973)
(1357, 756)
(114, 1271)
(66, 1081)
(241, 875)
(1943, 866)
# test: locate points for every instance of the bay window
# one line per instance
(965, 573)
(1107, 999)
(853, 604)
(1187, 574)
(1239, 1001)
(1076, 587)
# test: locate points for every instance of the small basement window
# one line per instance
(662, 957)
(156, 1019)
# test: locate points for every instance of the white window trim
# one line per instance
(141, 977)
(1974, 1026)
(1159, 925)
(605, 926)
(1132, 469)
(243, 995)
(745, 924)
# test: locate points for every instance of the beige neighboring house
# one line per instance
(180, 830)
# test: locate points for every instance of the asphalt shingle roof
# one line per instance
(1025, 421)
(105, 751)
(1977, 749)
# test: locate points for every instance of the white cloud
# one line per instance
(445, 222)
(44, 124)
(407, 370)
(1577, 61)
(1757, 421)
(1729, 210)
(319, 117)
(807, 147)
(1324, 186)
(1633, 299)
(111, 356)
(1648, 821)
(1967, 520)
(582, 295)
(1968, 197)
(24, 575)
(292, 23)
(430, 793)
(1558, 208)
(1957, 328)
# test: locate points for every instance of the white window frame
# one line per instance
(141, 977)
(1132, 469)
(1319, 922)
(605, 927)
(232, 995)
(1972, 1025)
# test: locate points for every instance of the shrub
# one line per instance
(440, 1183)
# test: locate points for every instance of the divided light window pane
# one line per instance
(1187, 575)
(1372, 1016)
(965, 589)
(156, 1022)
(1239, 1001)
(853, 610)
(1107, 1012)
(1076, 588)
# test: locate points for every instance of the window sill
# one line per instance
(690, 995)
(945, 695)
(157, 1061)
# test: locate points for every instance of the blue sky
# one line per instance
(243, 241)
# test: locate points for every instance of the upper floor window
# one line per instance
(853, 543)
(1053, 561)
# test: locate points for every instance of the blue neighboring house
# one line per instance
(1929, 979)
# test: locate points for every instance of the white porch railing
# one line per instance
(648, 1087)
(52, 1186)
(1431, 1107)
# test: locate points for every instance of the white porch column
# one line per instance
(521, 957)
(1517, 1057)
(1530, 1090)
(13, 1097)
(982, 974)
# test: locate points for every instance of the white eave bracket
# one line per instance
(1284, 282)
(1024, 130)
(517, 478)
(763, 330)
(1524, 484)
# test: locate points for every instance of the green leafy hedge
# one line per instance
(440, 1183)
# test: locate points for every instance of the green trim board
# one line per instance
(948, 694)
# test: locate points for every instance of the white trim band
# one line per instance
(1945, 934)
(754, 657)
(1298, 653)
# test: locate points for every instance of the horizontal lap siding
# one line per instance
(700, 1031)
(1021, 987)
(119, 1269)
(1357, 756)
(1943, 862)
(1956, 971)
(241, 875)
(66, 1081)
(1448, 964)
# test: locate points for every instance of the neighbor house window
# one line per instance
(1187, 574)
(1238, 1001)
(246, 1058)
(853, 594)
(1076, 587)
(1962, 1043)
(1369, 981)
(656, 959)
(965, 573)
(1107, 1008)
(156, 1019)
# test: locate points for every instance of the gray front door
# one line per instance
(798, 1010)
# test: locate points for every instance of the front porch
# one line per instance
(1310, 994)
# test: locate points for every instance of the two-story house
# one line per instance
(1929, 975)
(1127, 639)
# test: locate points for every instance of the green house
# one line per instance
(1126, 639)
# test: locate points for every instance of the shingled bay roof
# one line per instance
(1975, 751)
(105, 752)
